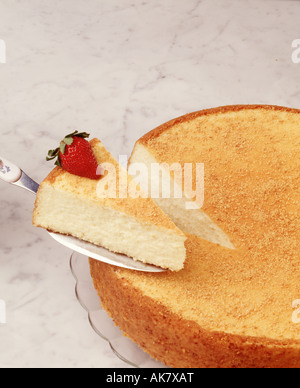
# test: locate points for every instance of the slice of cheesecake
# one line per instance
(106, 213)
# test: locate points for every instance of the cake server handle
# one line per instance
(11, 173)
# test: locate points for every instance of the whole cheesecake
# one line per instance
(232, 304)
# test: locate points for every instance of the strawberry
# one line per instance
(76, 156)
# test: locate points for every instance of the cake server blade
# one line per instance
(10, 173)
(102, 254)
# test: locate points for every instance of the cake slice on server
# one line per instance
(108, 209)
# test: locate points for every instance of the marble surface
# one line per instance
(115, 68)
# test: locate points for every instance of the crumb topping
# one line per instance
(252, 191)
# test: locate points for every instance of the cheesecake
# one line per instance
(106, 213)
(233, 304)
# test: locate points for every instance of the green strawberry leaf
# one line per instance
(63, 147)
(58, 163)
(68, 140)
(52, 154)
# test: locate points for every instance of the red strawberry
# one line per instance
(76, 156)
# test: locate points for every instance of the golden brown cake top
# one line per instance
(142, 208)
(251, 161)
(252, 191)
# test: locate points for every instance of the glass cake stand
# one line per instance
(103, 325)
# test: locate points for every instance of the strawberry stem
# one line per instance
(68, 140)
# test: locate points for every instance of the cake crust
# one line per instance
(156, 132)
(181, 343)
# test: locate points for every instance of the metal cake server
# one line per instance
(10, 173)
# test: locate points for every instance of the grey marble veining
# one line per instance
(116, 69)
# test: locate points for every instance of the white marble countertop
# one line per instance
(116, 69)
